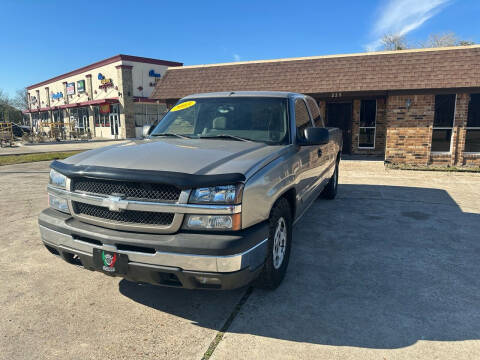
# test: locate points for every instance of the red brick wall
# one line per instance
(409, 132)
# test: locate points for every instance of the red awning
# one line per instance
(73, 105)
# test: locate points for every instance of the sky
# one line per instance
(43, 39)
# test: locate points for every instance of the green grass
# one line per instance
(467, 169)
(26, 158)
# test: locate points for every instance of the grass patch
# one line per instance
(26, 158)
(434, 168)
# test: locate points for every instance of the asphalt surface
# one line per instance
(388, 270)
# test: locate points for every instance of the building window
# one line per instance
(368, 122)
(103, 120)
(472, 140)
(302, 119)
(443, 122)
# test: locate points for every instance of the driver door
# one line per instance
(304, 166)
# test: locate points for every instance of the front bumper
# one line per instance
(190, 260)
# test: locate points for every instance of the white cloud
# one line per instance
(236, 57)
(399, 17)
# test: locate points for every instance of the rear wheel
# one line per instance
(279, 245)
(330, 190)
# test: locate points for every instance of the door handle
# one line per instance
(319, 152)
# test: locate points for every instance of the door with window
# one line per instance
(339, 115)
(324, 154)
(307, 157)
(114, 125)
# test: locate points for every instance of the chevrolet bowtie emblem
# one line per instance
(115, 203)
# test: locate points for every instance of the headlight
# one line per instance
(224, 194)
(213, 222)
(58, 203)
(57, 179)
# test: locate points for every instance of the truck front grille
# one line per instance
(129, 189)
(126, 216)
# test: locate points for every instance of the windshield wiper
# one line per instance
(171, 134)
(224, 136)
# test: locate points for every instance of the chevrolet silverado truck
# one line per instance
(207, 201)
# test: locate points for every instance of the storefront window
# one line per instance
(58, 116)
(103, 120)
(45, 116)
(79, 119)
(368, 122)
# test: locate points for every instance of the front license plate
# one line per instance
(110, 262)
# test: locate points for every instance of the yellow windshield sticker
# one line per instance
(184, 105)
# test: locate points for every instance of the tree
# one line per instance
(20, 101)
(8, 112)
(444, 40)
(394, 42)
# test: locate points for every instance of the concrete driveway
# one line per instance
(388, 270)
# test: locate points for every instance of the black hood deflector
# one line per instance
(182, 180)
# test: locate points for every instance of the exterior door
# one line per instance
(114, 125)
(339, 115)
(305, 167)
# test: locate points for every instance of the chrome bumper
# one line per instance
(251, 258)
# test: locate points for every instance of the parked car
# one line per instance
(207, 201)
(20, 130)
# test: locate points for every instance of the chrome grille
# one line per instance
(126, 216)
(130, 190)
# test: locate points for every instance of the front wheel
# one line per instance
(279, 245)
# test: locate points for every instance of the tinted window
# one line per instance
(368, 113)
(302, 119)
(443, 122)
(444, 110)
(472, 138)
(474, 111)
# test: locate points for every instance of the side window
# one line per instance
(302, 119)
(315, 111)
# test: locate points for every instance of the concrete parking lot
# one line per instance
(388, 270)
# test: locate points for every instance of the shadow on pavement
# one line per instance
(379, 267)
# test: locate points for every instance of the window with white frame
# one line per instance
(368, 123)
(472, 139)
(443, 122)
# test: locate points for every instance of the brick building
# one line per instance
(413, 107)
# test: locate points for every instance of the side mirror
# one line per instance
(315, 136)
(147, 129)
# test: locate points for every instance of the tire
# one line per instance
(276, 265)
(330, 190)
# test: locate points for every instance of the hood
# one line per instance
(190, 156)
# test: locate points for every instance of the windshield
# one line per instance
(254, 119)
